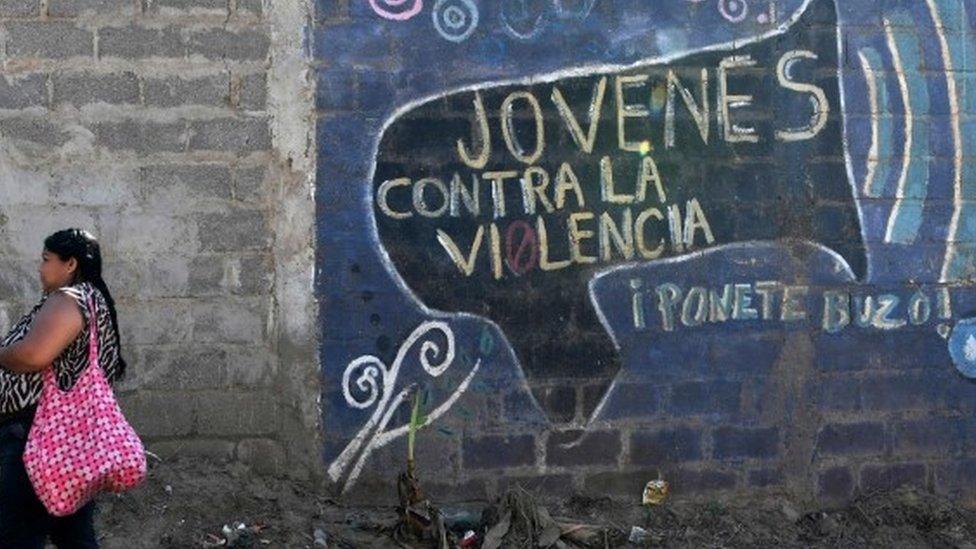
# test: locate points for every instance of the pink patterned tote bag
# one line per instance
(80, 444)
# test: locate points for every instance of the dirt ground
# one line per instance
(191, 503)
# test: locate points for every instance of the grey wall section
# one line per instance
(177, 131)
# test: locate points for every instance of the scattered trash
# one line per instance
(461, 520)
(470, 539)
(638, 535)
(168, 489)
(232, 534)
(655, 492)
(321, 538)
(789, 512)
(520, 522)
(236, 535)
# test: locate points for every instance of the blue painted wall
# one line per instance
(819, 341)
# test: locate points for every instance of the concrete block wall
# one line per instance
(167, 128)
(471, 157)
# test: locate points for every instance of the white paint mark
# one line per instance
(948, 65)
(378, 383)
(909, 130)
(872, 162)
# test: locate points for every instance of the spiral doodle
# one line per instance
(397, 10)
(733, 10)
(378, 384)
(455, 20)
(372, 375)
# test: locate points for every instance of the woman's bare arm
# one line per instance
(56, 325)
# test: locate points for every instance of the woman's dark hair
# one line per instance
(82, 246)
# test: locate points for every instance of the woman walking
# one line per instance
(54, 334)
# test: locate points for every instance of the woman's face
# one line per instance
(56, 273)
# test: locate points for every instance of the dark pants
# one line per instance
(24, 522)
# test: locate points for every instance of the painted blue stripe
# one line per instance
(907, 215)
(884, 122)
(962, 263)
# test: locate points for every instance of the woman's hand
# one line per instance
(56, 325)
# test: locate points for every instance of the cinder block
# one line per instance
(33, 129)
(559, 402)
(169, 322)
(150, 233)
(48, 39)
(706, 397)
(99, 185)
(666, 446)
(211, 6)
(904, 392)
(230, 320)
(937, 437)
(264, 456)
(164, 276)
(628, 400)
(189, 369)
(71, 8)
(889, 477)
(20, 8)
(253, 6)
(214, 449)
(135, 42)
(220, 44)
(184, 187)
(736, 443)
(223, 413)
(174, 91)
(27, 226)
(249, 184)
(254, 91)
(764, 478)
(578, 448)
(155, 414)
(628, 485)
(236, 230)
(835, 484)
(851, 438)
(498, 452)
(216, 274)
(82, 89)
(141, 136)
(699, 481)
(23, 92)
(240, 135)
(249, 366)
(956, 476)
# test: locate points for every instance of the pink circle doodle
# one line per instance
(397, 10)
(733, 10)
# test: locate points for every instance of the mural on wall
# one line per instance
(639, 208)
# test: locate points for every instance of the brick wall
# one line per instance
(151, 123)
(471, 157)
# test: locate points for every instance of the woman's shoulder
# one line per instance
(83, 294)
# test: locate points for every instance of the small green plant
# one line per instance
(417, 420)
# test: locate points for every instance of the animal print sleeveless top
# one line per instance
(21, 391)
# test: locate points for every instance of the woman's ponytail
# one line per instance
(102, 287)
